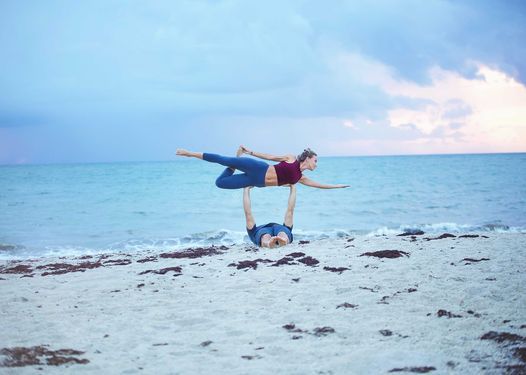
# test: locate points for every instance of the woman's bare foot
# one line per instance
(183, 152)
(238, 154)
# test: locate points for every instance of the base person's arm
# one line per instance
(289, 215)
(246, 206)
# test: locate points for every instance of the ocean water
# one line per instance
(91, 208)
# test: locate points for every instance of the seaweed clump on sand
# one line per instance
(20, 269)
(391, 254)
(195, 252)
(163, 271)
(39, 355)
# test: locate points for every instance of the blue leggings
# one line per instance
(254, 171)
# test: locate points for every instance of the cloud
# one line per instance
(488, 110)
(411, 36)
(491, 106)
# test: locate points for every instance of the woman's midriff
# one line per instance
(271, 178)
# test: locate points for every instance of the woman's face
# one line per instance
(312, 162)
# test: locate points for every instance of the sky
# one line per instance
(107, 80)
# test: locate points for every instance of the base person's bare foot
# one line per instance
(281, 241)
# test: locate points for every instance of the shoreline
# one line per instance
(13, 252)
(430, 304)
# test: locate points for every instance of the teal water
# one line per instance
(87, 208)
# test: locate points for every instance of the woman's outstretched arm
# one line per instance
(267, 156)
(289, 215)
(246, 206)
(308, 182)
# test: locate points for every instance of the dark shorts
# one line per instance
(273, 229)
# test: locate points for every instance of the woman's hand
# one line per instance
(245, 150)
(308, 182)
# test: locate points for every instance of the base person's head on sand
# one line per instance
(272, 234)
(288, 171)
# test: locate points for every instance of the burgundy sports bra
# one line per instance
(288, 173)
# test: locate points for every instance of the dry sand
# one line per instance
(446, 305)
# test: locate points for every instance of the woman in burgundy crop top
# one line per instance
(289, 169)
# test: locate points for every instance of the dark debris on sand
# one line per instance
(339, 270)
(309, 261)
(249, 263)
(177, 270)
(502, 337)
(20, 269)
(347, 305)
(62, 268)
(471, 236)
(510, 342)
(520, 353)
(195, 253)
(385, 298)
(419, 370)
(411, 233)
(148, 259)
(39, 355)
(296, 255)
(318, 331)
(291, 327)
(386, 254)
(284, 261)
(251, 357)
(448, 314)
(441, 237)
(117, 262)
(474, 260)
(290, 259)
(323, 331)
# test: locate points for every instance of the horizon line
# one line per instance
(324, 156)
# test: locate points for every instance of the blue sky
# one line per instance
(132, 80)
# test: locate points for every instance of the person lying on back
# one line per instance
(272, 234)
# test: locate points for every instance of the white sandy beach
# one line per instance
(452, 305)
